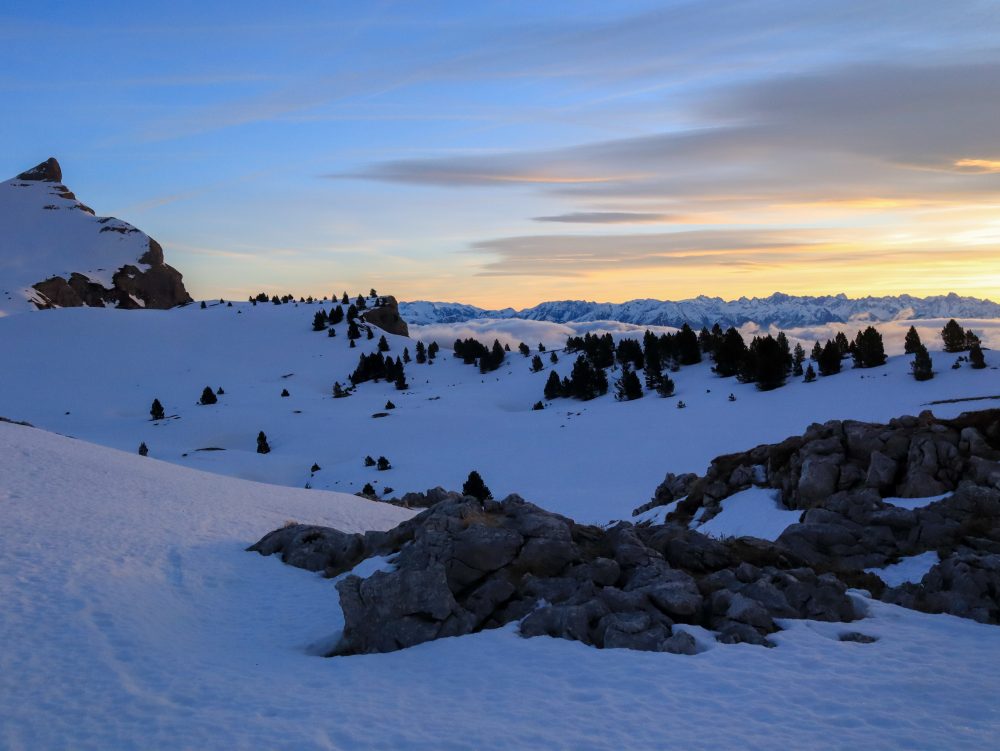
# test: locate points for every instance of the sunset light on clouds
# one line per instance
(501, 154)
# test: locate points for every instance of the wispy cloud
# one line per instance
(609, 217)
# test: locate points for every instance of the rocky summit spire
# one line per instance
(48, 171)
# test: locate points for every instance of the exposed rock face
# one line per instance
(463, 566)
(61, 255)
(386, 316)
(48, 171)
(840, 472)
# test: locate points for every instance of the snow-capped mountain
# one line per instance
(54, 252)
(783, 311)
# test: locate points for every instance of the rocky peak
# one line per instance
(48, 171)
(58, 253)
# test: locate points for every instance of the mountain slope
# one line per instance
(594, 460)
(133, 619)
(783, 311)
(54, 252)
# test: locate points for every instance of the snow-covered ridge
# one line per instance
(54, 252)
(784, 311)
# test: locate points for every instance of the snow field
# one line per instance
(133, 619)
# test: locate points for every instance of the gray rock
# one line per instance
(881, 472)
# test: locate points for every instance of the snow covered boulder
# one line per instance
(57, 253)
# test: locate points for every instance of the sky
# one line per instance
(506, 153)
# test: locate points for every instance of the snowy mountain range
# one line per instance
(781, 310)
(55, 252)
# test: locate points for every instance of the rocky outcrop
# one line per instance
(385, 315)
(62, 255)
(429, 498)
(910, 457)
(465, 565)
(839, 474)
(966, 584)
(48, 171)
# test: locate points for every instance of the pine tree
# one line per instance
(314, 468)
(665, 387)
(787, 358)
(829, 360)
(331, 332)
(922, 366)
(336, 314)
(390, 405)
(156, 411)
(912, 341)
(352, 331)
(842, 343)
(143, 449)
(383, 344)
(810, 374)
(284, 392)
(432, 350)
(319, 321)
(208, 396)
(729, 353)
(536, 364)
(537, 406)
(971, 339)
(262, 444)
(766, 363)
(541, 347)
(689, 351)
(371, 334)
(360, 302)
(369, 462)
(352, 312)
(953, 337)
(817, 352)
(869, 351)
(798, 357)
(523, 349)
(553, 358)
(353, 345)
(338, 391)
(406, 354)
(976, 359)
(628, 387)
(401, 384)
(345, 299)
(475, 487)
(421, 353)
(553, 386)
(382, 464)
(369, 491)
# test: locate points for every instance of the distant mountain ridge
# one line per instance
(778, 309)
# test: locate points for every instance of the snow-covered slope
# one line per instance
(784, 311)
(93, 374)
(55, 252)
(133, 619)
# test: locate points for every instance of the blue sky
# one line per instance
(506, 153)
